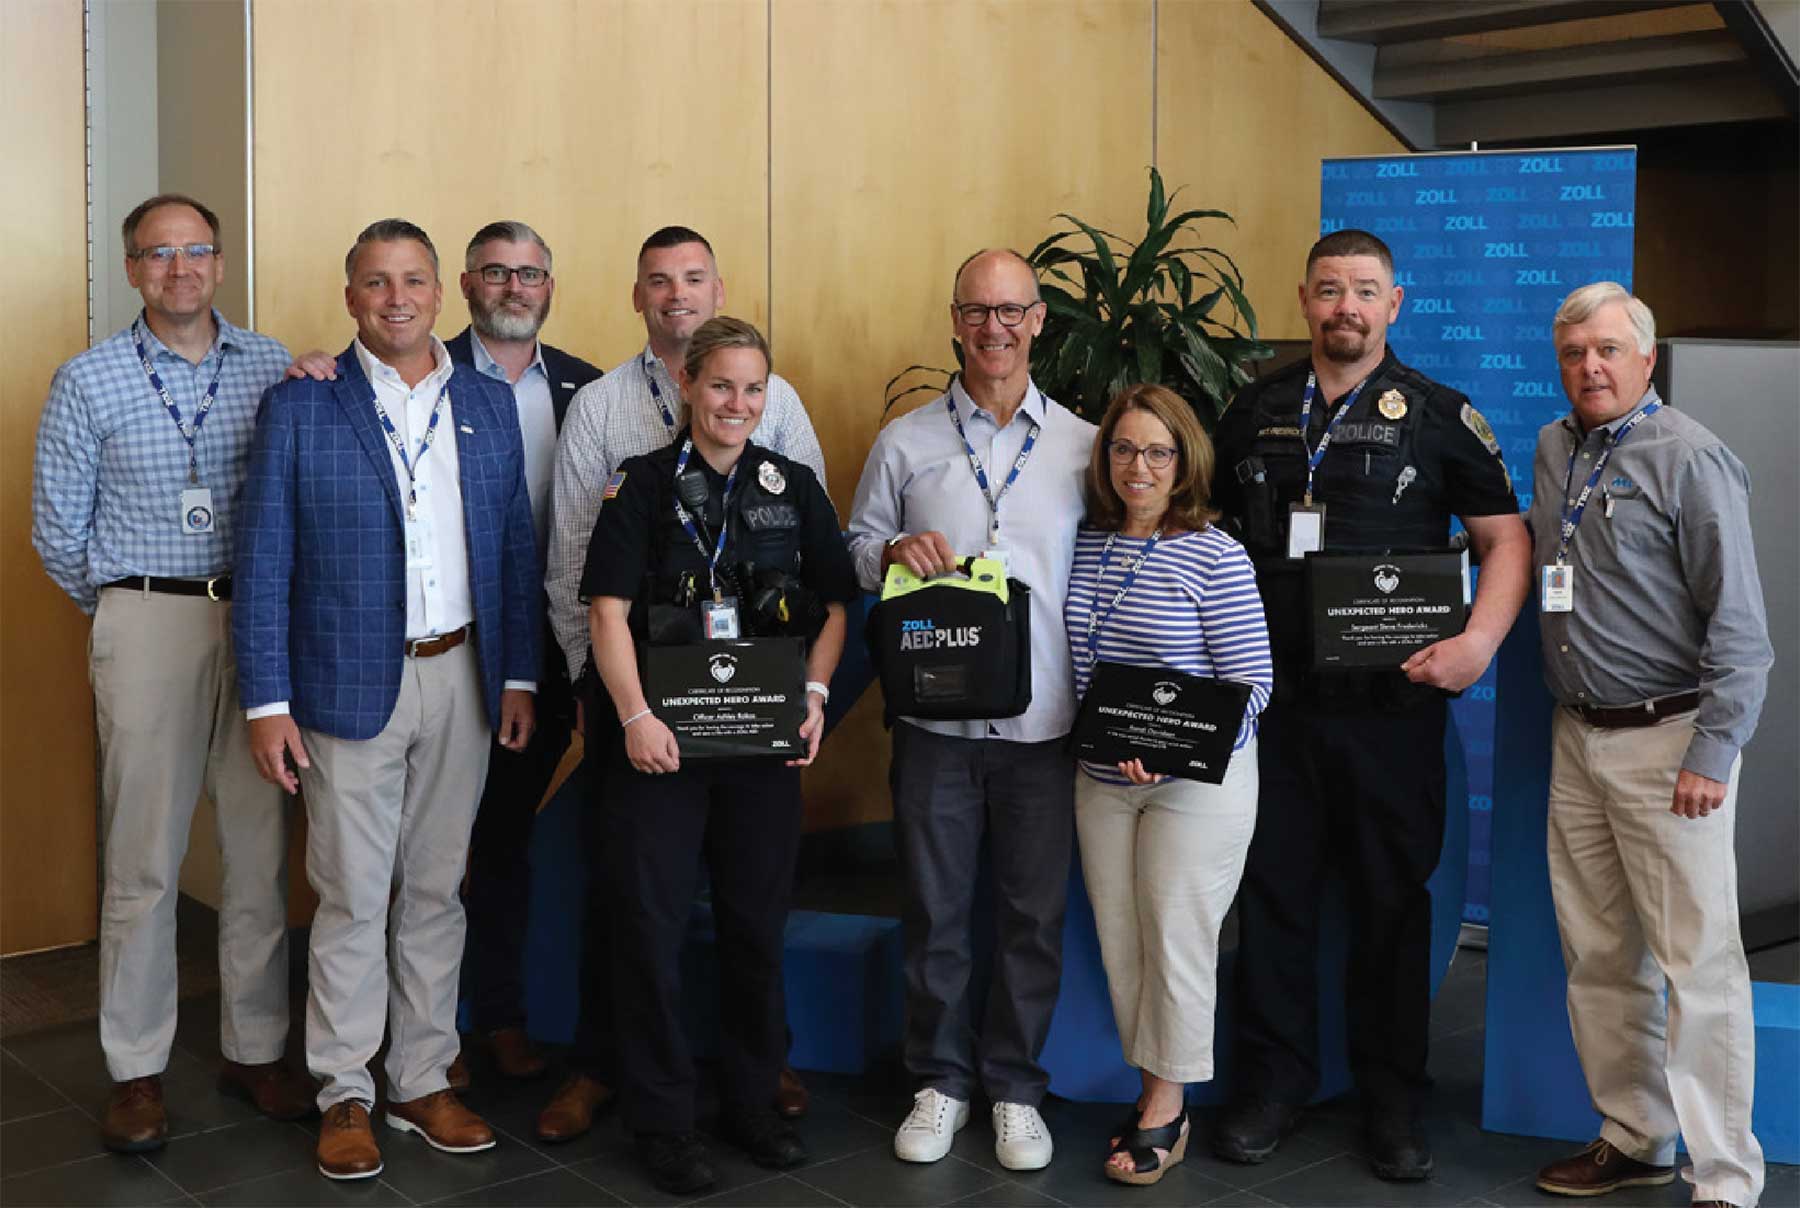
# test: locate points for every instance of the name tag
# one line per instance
(196, 511)
(1002, 555)
(721, 617)
(418, 545)
(1557, 591)
(1306, 529)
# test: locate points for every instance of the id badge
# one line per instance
(721, 618)
(1002, 555)
(196, 511)
(418, 546)
(1557, 592)
(1306, 529)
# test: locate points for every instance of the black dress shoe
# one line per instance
(1249, 1132)
(1397, 1148)
(770, 1141)
(676, 1162)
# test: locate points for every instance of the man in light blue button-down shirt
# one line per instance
(920, 503)
(141, 454)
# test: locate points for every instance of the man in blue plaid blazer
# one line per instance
(387, 626)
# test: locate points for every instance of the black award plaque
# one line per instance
(1178, 724)
(1374, 611)
(729, 700)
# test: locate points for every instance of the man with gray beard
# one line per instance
(508, 284)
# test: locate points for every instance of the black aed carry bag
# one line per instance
(953, 648)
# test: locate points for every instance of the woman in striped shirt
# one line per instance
(1156, 585)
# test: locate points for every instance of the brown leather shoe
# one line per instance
(347, 1148)
(1599, 1169)
(791, 1097)
(572, 1109)
(272, 1088)
(514, 1054)
(443, 1121)
(135, 1120)
(458, 1074)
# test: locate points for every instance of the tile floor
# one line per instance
(53, 1084)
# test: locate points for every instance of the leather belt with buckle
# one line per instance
(217, 588)
(1625, 717)
(425, 648)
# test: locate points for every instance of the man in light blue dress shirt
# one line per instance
(921, 502)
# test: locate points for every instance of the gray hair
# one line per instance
(1580, 306)
(510, 232)
(389, 230)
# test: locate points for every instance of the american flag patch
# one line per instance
(612, 485)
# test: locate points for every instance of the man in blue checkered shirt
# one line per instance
(141, 454)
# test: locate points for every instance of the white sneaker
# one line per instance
(926, 1133)
(1021, 1139)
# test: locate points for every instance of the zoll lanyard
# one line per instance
(411, 464)
(981, 474)
(693, 532)
(1097, 618)
(1572, 512)
(1315, 456)
(190, 435)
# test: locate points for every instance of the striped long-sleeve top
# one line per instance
(1193, 607)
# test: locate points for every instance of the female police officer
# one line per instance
(710, 536)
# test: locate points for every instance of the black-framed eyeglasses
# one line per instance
(500, 274)
(1157, 457)
(165, 253)
(1010, 314)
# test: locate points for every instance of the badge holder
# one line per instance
(1557, 590)
(720, 617)
(196, 511)
(1306, 529)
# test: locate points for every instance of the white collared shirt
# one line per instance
(918, 479)
(537, 426)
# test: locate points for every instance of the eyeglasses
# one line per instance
(1157, 457)
(499, 274)
(164, 254)
(1010, 314)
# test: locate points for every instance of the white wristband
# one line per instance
(821, 689)
(638, 716)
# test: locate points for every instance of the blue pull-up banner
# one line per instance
(1486, 245)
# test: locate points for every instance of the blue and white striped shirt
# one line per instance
(111, 465)
(1194, 607)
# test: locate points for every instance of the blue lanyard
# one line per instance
(1572, 512)
(668, 416)
(410, 465)
(168, 402)
(1315, 456)
(687, 521)
(981, 475)
(1096, 618)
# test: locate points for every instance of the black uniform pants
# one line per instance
(1363, 791)
(948, 794)
(498, 900)
(743, 818)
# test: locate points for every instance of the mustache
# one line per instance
(1347, 323)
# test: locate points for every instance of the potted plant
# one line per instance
(1168, 308)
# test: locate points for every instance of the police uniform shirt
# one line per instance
(1408, 455)
(632, 536)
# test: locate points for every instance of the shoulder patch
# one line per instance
(1477, 423)
(612, 485)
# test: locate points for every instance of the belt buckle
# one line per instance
(211, 594)
(412, 646)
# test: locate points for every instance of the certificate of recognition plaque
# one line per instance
(729, 700)
(1374, 611)
(1178, 724)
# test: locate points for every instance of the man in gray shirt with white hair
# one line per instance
(1656, 648)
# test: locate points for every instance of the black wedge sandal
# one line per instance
(1142, 1144)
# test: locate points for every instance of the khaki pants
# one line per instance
(1162, 864)
(388, 834)
(1646, 901)
(166, 704)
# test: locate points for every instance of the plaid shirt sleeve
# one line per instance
(63, 487)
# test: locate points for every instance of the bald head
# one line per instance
(1001, 259)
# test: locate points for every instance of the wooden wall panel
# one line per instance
(904, 137)
(595, 123)
(47, 817)
(1243, 119)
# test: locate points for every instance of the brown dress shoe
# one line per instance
(347, 1148)
(791, 1096)
(272, 1088)
(135, 1120)
(458, 1074)
(571, 1110)
(443, 1121)
(514, 1054)
(1599, 1169)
